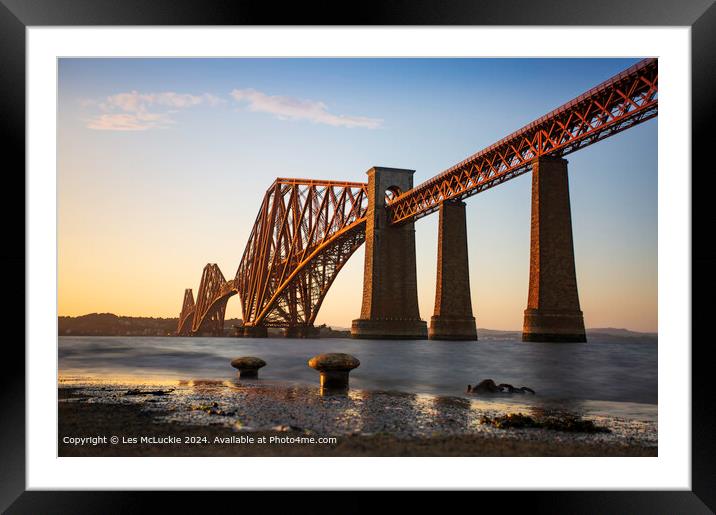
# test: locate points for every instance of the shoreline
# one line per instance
(220, 418)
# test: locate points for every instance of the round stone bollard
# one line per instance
(248, 366)
(334, 369)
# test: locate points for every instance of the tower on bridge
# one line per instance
(553, 313)
(390, 290)
(452, 319)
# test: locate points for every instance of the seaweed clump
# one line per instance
(565, 423)
(212, 409)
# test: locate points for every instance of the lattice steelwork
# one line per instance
(187, 314)
(621, 102)
(214, 292)
(303, 235)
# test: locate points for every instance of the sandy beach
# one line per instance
(230, 418)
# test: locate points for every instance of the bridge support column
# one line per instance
(452, 319)
(390, 290)
(300, 331)
(553, 313)
(255, 331)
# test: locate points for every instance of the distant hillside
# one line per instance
(109, 324)
(610, 334)
(611, 331)
(600, 333)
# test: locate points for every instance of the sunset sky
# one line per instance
(162, 165)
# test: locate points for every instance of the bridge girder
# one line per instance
(625, 100)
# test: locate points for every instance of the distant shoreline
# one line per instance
(109, 324)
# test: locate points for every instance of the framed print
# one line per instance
(429, 248)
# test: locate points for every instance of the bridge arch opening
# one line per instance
(391, 193)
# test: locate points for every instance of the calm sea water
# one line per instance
(609, 374)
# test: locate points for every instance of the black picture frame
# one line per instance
(16, 15)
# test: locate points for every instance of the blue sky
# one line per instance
(142, 210)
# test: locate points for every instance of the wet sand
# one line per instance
(229, 419)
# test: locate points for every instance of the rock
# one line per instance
(248, 366)
(334, 369)
(212, 409)
(489, 386)
(485, 386)
(285, 427)
(240, 426)
(137, 391)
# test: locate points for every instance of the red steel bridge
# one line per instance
(306, 230)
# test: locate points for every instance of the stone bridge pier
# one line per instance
(390, 291)
(553, 313)
(390, 297)
(254, 331)
(301, 331)
(452, 319)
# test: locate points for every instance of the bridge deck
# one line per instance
(624, 100)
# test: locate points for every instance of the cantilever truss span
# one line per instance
(303, 235)
(206, 316)
(307, 229)
(625, 100)
(187, 313)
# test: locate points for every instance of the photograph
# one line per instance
(425, 248)
(357, 256)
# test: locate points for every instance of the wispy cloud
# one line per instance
(129, 122)
(290, 108)
(135, 111)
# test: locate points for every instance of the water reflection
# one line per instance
(331, 391)
(353, 412)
